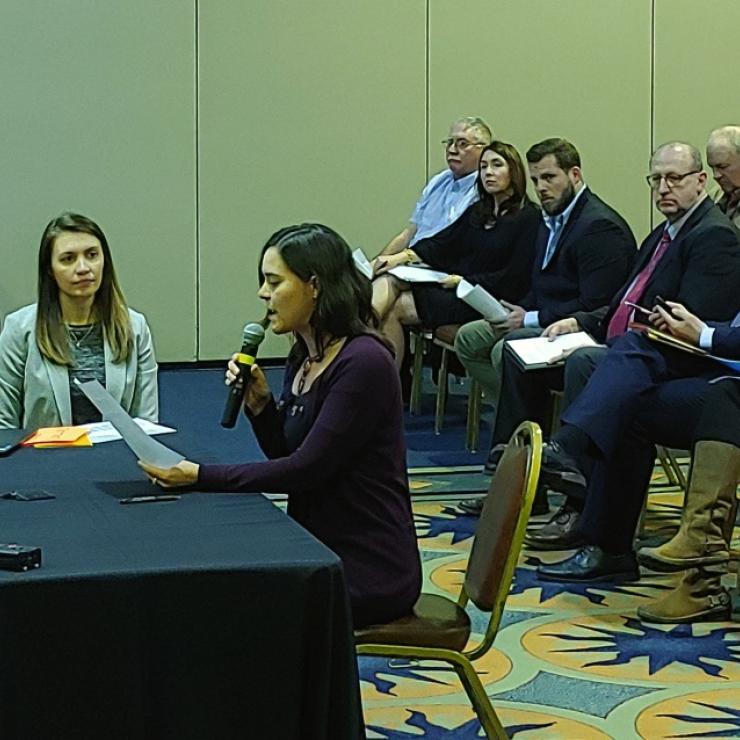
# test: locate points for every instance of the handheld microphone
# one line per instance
(251, 339)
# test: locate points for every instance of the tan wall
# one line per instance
(328, 111)
(97, 116)
(308, 112)
(697, 58)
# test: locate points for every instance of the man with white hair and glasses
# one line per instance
(451, 191)
(723, 156)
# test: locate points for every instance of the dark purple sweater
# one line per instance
(346, 482)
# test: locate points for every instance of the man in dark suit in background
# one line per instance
(692, 257)
(585, 250)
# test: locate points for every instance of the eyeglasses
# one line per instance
(460, 144)
(671, 179)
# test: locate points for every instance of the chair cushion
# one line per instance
(436, 621)
(447, 333)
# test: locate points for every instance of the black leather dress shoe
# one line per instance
(472, 506)
(492, 461)
(560, 471)
(560, 533)
(591, 563)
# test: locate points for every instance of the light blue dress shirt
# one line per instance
(443, 200)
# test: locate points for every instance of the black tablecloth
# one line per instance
(215, 616)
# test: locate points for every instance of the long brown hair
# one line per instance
(109, 305)
(485, 208)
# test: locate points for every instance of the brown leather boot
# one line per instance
(698, 597)
(708, 512)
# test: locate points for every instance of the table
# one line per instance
(214, 616)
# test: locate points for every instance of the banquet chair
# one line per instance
(419, 338)
(439, 629)
(444, 338)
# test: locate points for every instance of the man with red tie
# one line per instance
(693, 257)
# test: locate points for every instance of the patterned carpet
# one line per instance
(570, 661)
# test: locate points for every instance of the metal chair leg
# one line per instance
(472, 431)
(478, 698)
(418, 369)
(442, 379)
(665, 463)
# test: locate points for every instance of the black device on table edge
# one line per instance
(19, 557)
(12, 439)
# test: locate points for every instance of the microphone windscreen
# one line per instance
(253, 335)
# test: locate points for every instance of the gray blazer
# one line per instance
(34, 392)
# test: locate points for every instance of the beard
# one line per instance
(558, 206)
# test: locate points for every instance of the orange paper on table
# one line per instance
(59, 437)
(83, 441)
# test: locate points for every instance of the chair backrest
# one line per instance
(503, 521)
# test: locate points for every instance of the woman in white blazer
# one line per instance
(80, 328)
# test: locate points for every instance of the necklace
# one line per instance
(309, 361)
(78, 339)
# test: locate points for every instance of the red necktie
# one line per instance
(621, 317)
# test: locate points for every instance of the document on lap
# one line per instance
(416, 274)
(481, 300)
(145, 448)
(668, 339)
(541, 352)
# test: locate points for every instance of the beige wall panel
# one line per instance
(697, 58)
(308, 112)
(575, 68)
(97, 116)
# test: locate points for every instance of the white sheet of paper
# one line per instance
(104, 431)
(145, 448)
(481, 300)
(412, 274)
(539, 350)
(363, 263)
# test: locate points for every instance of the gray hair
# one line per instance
(728, 136)
(690, 149)
(480, 128)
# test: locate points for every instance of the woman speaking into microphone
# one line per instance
(335, 436)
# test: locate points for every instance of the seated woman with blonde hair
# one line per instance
(79, 329)
(492, 245)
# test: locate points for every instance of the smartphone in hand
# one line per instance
(661, 302)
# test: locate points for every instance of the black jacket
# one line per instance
(701, 270)
(594, 255)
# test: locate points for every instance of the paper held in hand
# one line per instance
(145, 448)
(416, 274)
(539, 352)
(362, 263)
(481, 300)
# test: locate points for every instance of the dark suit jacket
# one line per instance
(726, 342)
(594, 255)
(701, 270)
